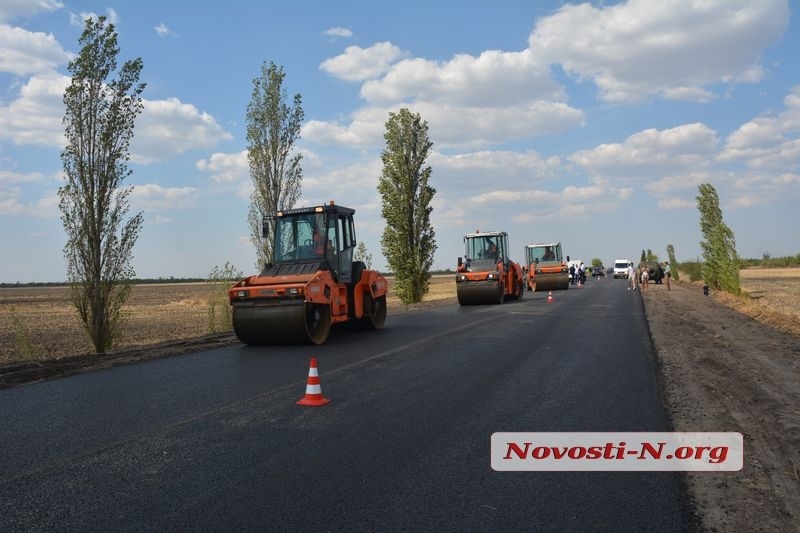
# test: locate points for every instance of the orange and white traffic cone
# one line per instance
(313, 389)
(550, 297)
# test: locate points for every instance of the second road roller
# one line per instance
(546, 268)
(312, 284)
(485, 274)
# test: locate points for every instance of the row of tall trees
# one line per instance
(273, 129)
(101, 105)
(720, 266)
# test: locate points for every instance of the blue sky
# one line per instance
(591, 124)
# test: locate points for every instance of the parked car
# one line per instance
(598, 271)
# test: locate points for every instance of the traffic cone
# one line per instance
(550, 297)
(313, 389)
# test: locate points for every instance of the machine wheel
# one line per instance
(318, 322)
(377, 313)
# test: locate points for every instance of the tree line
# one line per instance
(101, 105)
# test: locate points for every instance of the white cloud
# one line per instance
(165, 127)
(7, 176)
(651, 153)
(169, 127)
(225, 168)
(10, 9)
(11, 201)
(493, 79)
(162, 30)
(450, 125)
(768, 142)
(338, 32)
(25, 52)
(35, 117)
(676, 203)
(152, 197)
(468, 101)
(674, 49)
(79, 20)
(359, 64)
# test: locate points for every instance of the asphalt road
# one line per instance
(214, 440)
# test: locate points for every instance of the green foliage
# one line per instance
(693, 269)
(651, 257)
(22, 340)
(273, 128)
(408, 240)
(643, 259)
(220, 314)
(362, 254)
(98, 119)
(720, 261)
(597, 262)
(673, 264)
(767, 261)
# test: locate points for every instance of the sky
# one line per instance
(588, 123)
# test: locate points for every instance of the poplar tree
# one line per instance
(273, 128)
(720, 268)
(673, 264)
(408, 240)
(98, 119)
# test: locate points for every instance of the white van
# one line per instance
(621, 268)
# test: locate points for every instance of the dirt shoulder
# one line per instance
(723, 371)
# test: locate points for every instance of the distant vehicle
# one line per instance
(598, 271)
(654, 271)
(621, 268)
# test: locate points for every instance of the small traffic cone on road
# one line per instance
(313, 389)
(550, 297)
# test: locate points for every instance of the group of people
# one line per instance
(644, 276)
(577, 274)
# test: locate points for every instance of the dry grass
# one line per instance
(168, 312)
(771, 296)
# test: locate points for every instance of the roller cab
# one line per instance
(486, 275)
(312, 284)
(545, 267)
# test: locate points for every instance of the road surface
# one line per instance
(215, 441)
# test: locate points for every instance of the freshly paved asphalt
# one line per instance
(214, 440)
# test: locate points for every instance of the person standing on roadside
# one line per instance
(645, 277)
(667, 273)
(631, 277)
